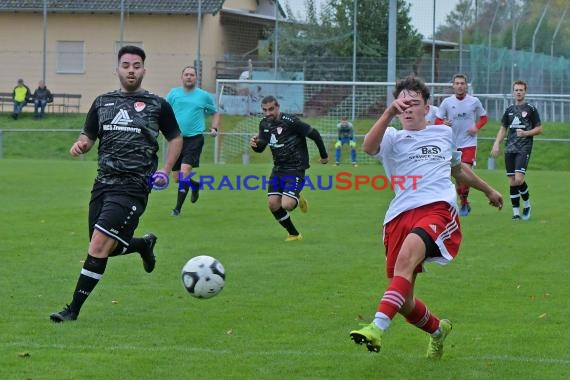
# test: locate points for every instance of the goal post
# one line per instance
(319, 103)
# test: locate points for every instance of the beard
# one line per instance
(131, 85)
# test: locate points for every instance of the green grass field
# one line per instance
(287, 308)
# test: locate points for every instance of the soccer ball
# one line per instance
(203, 276)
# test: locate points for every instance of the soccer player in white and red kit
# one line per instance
(466, 115)
(421, 223)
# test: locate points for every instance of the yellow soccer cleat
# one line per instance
(370, 335)
(294, 237)
(435, 347)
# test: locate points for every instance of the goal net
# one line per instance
(320, 104)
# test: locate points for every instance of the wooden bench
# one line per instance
(62, 103)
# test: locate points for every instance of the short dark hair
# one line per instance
(190, 67)
(412, 83)
(269, 99)
(131, 49)
(520, 82)
(460, 75)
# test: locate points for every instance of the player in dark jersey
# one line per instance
(127, 123)
(520, 123)
(286, 134)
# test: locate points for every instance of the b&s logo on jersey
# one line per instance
(427, 152)
(139, 106)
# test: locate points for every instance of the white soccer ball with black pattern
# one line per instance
(203, 276)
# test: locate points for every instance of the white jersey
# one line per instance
(432, 113)
(463, 115)
(421, 161)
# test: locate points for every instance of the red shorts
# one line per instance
(439, 220)
(468, 154)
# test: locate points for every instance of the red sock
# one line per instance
(394, 296)
(421, 317)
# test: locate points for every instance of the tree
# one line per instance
(330, 32)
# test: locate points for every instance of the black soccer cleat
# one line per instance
(65, 315)
(195, 195)
(147, 254)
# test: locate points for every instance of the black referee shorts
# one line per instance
(191, 151)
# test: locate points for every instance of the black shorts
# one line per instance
(115, 210)
(516, 162)
(288, 184)
(191, 151)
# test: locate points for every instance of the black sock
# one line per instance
(182, 194)
(284, 219)
(523, 191)
(91, 273)
(194, 185)
(515, 196)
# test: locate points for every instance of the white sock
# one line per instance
(526, 204)
(515, 211)
(382, 321)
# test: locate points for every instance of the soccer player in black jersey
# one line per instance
(286, 134)
(520, 123)
(127, 123)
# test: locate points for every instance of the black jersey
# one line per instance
(525, 117)
(286, 137)
(127, 126)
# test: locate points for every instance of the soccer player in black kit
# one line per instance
(520, 123)
(286, 134)
(127, 123)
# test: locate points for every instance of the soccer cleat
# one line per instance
(294, 237)
(337, 163)
(465, 209)
(175, 212)
(303, 203)
(516, 218)
(195, 195)
(371, 335)
(354, 165)
(435, 347)
(147, 254)
(65, 315)
(526, 213)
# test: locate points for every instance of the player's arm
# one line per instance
(372, 140)
(498, 140)
(464, 174)
(259, 141)
(169, 128)
(215, 128)
(316, 137)
(88, 136)
(475, 129)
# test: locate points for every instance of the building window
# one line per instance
(70, 57)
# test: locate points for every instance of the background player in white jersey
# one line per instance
(286, 135)
(421, 223)
(127, 123)
(431, 114)
(520, 123)
(466, 115)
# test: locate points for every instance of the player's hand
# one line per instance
(324, 160)
(253, 141)
(495, 151)
(495, 199)
(337, 145)
(447, 122)
(399, 105)
(78, 148)
(353, 144)
(472, 131)
(521, 133)
(213, 132)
